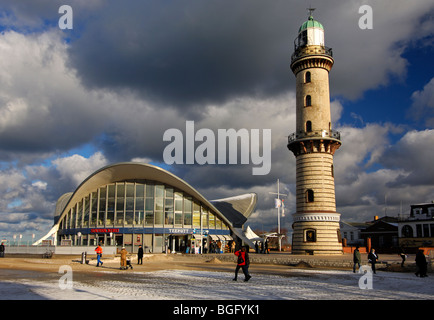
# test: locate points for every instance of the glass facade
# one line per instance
(146, 213)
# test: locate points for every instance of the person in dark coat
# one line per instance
(372, 259)
(402, 255)
(357, 259)
(140, 255)
(421, 264)
(243, 262)
(266, 246)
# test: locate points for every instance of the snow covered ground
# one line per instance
(199, 285)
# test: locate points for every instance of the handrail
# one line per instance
(314, 134)
(311, 50)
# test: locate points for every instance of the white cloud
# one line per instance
(368, 59)
(40, 184)
(422, 107)
(77, 168)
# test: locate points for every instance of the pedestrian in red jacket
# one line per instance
(243, 263)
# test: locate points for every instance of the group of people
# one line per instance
(243, 260)
(421, 262)
(372, 259)
(215, 246)
(124, 261)
(261, 246)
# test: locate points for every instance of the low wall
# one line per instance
(67, 250)
(351, 249)
(288, 260)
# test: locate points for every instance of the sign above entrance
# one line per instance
(180, 230)
(104, 230)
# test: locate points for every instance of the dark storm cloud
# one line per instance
(187, 52)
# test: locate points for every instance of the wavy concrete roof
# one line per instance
(233, 211)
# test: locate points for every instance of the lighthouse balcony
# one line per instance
(321, 134)
(301, 51)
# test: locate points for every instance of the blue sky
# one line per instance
(390, 103)
(72, 101)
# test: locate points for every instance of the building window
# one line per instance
(307, 78)
(310, 235)
(308, 101)
(425, 230)
(332, 168)
(419, 230)
(407, 231)
(308, 126)
(309, 195)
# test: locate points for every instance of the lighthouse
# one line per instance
(315, 222)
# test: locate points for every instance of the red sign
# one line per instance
(104, 230)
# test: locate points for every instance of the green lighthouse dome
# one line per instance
(310, 23)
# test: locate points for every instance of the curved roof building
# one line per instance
(132, 204)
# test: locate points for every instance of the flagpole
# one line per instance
(279, 204)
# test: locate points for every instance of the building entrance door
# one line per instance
(177, 243)
(119, 240)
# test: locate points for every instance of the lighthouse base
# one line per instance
(317, 233)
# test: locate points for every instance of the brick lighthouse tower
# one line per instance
(316, 222)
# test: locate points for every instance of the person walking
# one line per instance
(357, 259)
(140, 255)
(243, 262)
(2, 250)
(124, 258)
(98, 251)
(266, 247)
(421, 264)
(372, 259)
(233, 246)
(403, 256)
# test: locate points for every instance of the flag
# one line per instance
(277, 203)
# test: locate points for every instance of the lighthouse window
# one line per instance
(308, 101)
(307, 77)
(310, 235)
(302, 38)
(308, 126)
(309, 195)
